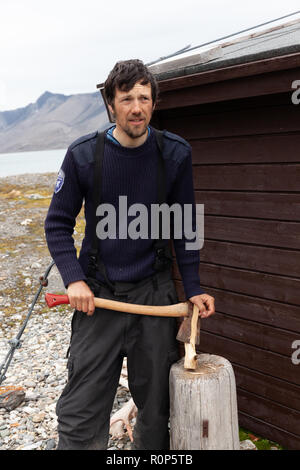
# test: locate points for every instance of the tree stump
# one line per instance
(203, 406)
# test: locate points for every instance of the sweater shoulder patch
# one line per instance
(176, 138)
(83, 149)
(83, 139)
(176, 148)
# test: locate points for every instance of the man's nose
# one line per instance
(136, 107)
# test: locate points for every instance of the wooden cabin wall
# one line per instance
(246, 166)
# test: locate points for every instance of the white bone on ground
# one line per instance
(125, 414)
(123, 417)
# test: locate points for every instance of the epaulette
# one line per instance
(176, 148)
(177, 138)
(83, 139)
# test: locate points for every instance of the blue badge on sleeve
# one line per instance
(60, 181)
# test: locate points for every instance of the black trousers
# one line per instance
(98, 345)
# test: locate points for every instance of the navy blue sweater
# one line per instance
(130, 172)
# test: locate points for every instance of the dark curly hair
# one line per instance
(125, 75)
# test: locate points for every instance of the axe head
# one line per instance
(184, 332)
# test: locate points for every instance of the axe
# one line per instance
(189, 330)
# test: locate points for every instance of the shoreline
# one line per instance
(30, 179)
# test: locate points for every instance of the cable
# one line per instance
(184, 49)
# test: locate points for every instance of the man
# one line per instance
(135, 161)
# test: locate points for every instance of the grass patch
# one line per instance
(10, 192)
(260, 442)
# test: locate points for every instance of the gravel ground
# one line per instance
(39, 366)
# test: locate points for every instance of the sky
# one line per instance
(69, 46)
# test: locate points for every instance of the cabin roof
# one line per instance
(272, 42)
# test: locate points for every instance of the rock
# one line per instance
(247, 445)
(27, 282)
(29, 383)
(14, 425)
(38, 418)
(50, 444)
(29, 410)
(60, 369)
(14, 193)
(26, 222)
(36, 445)
(36, 266)
(11, 399)
(18, 317)
(35, 196)
(27, 438)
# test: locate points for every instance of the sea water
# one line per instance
(40, 161)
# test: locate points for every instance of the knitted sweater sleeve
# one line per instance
(61, 219)
(188, 259)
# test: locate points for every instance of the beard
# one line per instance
(135, 133)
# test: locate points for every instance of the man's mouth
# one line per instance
(136, 122)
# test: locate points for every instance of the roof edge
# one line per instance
(198, 75)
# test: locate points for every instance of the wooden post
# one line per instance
(203, 406)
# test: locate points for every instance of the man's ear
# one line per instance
(111, 109)
(111, 112)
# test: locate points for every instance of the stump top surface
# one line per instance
(207, 366)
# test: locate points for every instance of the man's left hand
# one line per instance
(205, 303)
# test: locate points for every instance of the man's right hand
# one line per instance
(81, 297)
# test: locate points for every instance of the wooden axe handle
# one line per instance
(174, 310)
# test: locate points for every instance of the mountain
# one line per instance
(54, 121)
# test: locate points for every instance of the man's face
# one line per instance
(133, 110)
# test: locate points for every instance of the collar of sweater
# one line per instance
(132, 152)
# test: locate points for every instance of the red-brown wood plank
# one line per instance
(269, 411)
(252, 257)
(264, 311)
(229, 106)
(257, 85)
(252, 231)
(279, 177)
(265, 286)
(251, 332)
(261, 120)
(255, 358)
(288, 440)
(277, 206)
(268, 387)
(281, 148)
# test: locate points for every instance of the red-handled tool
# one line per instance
(53, 300)
(188, 331)
(176, 310)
